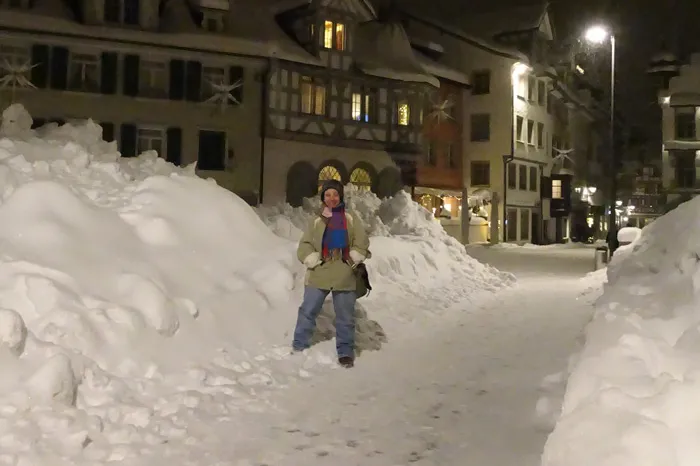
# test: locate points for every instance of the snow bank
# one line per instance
(632, 395)
(140, 304)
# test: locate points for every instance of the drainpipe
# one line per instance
(506, 160)
(265, 108)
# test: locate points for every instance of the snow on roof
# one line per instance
(280, 6)
(264, 43)
(249, 21)
(440, 70)
(683, 99)
(492, 23)
(383, 49)
(681, 145)
(449, 27)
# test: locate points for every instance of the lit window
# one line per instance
(404, 112)
(328, 34)
(339, 36)
(313, 97)
(362, 179)
(356, 106)
(556, 189)
(362, 105)
(329, 172)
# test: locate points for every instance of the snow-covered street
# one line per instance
(463, 394)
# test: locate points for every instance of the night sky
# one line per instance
(643, 28)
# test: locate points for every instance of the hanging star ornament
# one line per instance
(15, 76)
(562, 154)
(440, 111)
(223, 94)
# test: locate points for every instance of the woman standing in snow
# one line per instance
(332, 245)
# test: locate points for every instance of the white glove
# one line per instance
(356, 256)
(313, 260)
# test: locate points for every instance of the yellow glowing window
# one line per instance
(357, 106)
(339, 36)
(328, 172)
(328, 34)
(361, 178)
(404, 112)
(313, 97)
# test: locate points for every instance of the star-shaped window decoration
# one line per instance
(223, 94)
(15, 76)
(440, 111)
(562, 154)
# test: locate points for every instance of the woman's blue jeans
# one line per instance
(344, 306)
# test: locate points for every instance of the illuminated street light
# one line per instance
(519, 69)
(597, 34)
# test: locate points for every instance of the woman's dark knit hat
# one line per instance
(333, 184)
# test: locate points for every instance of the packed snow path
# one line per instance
(464, 394)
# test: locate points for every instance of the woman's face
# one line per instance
(331, 198)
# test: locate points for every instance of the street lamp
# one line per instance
(598, 34)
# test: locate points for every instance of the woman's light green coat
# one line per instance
(336, 274)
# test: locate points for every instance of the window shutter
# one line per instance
(174, 146)
(108, 84)
(59, 68)
(128, 140)
(237, 73)
(40, 62)
(546, 187)
(131, 75)
(107, 131)
(177, 80)
(193, 81)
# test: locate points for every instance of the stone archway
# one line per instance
(389, 182)
(301, 183)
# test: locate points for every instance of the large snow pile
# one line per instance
(139, 304)
(634, 389)
(412, 255)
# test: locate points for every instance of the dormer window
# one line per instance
(213, 20)
(122, 12)
(334, 35)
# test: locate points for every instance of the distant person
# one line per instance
(332, 245)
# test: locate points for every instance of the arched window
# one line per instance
(362, 179)
(329, 172)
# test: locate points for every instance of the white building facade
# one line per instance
(680, 136)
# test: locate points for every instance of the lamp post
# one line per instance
(599, 35)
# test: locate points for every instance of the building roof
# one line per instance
(382, 49)
(436, 68)
(492, 23)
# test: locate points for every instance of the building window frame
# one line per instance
(312, 94)
(84, 71)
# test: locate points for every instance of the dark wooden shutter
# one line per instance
(40, 61)
(193, 81)
(237, 73)
(131, 75)
(177, 80)
(128, 140)
(546, 187)
(174, 148)
(59, 68)
(108, 84)
(107, 131)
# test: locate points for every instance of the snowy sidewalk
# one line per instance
(464, 395)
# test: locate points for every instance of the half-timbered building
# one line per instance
(267, 96)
